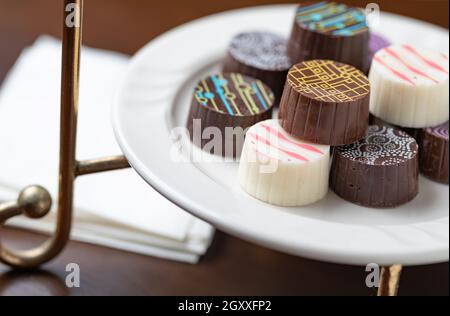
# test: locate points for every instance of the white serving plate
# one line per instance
(155, 97)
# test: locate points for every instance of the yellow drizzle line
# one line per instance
(353, 74)
(236, 84)
(205, 85)
(246, 97)
(227, 91)
(360, 31)
(264, 93)
(198, 90)
(249, 96)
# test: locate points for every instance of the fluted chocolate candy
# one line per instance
(433, 148)
(222, 104)
(328, 30)
(325, 102)
(434, 153)
(261, 55)
(380, 171)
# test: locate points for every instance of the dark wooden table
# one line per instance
(232, 266)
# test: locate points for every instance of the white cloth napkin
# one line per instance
(114, 209)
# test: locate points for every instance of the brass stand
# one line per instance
(390, 280)
(35, 202)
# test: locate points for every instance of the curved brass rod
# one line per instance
(68, 128)
(9, 210)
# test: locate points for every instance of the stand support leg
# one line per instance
(390, 280)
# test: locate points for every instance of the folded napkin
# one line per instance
(115, 209)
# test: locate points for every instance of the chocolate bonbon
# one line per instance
(325, 102)
(261, 55)
(328, 30)
(223, 102)
(410, 86)
(434, 162)
(380, 171)
(281, 170)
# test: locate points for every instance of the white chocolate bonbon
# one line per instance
(410, 86)
(281, 170)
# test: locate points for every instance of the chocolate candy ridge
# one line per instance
(228, 101)
(332, 18)
(382, 146)
(379, 171)
(326, 102)
(261, 55)
(434, 162)
(327, 30)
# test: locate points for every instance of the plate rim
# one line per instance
(434, 256)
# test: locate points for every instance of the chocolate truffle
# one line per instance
(261, 55)
(326, 102)
(328, 30)
(379, 171)
(433, 143)
(281, 170)
(226, 102)
(410, 86)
